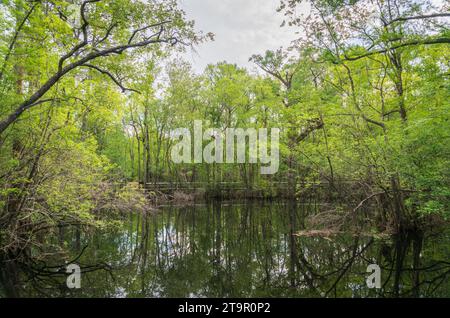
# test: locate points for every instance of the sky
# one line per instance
(241, 27)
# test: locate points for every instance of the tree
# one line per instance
(98, 31)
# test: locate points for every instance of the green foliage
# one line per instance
(68, 138)
(356, 101)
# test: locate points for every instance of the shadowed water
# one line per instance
(236, 250)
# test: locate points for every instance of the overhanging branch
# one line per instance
(419, 17)
(404, 44)
(112, 77)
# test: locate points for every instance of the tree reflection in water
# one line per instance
(237, 250)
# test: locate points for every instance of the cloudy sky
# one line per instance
(241, 28)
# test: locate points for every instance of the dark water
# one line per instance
(236, 250)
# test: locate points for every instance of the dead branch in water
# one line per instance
(367, 199)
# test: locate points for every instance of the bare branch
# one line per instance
(115, 80)
(418, 17)
(108, 33)
(160, 24)
(404, 44)
(84, 28)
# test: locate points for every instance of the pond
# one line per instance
(225, 249)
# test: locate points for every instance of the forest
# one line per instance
(92, 90)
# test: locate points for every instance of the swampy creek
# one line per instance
(236, 250)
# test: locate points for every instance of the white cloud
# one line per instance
(241, 28)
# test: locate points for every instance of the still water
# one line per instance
(235, 250)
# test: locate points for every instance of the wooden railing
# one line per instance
(192, 186)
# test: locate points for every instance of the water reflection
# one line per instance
(237, 250)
